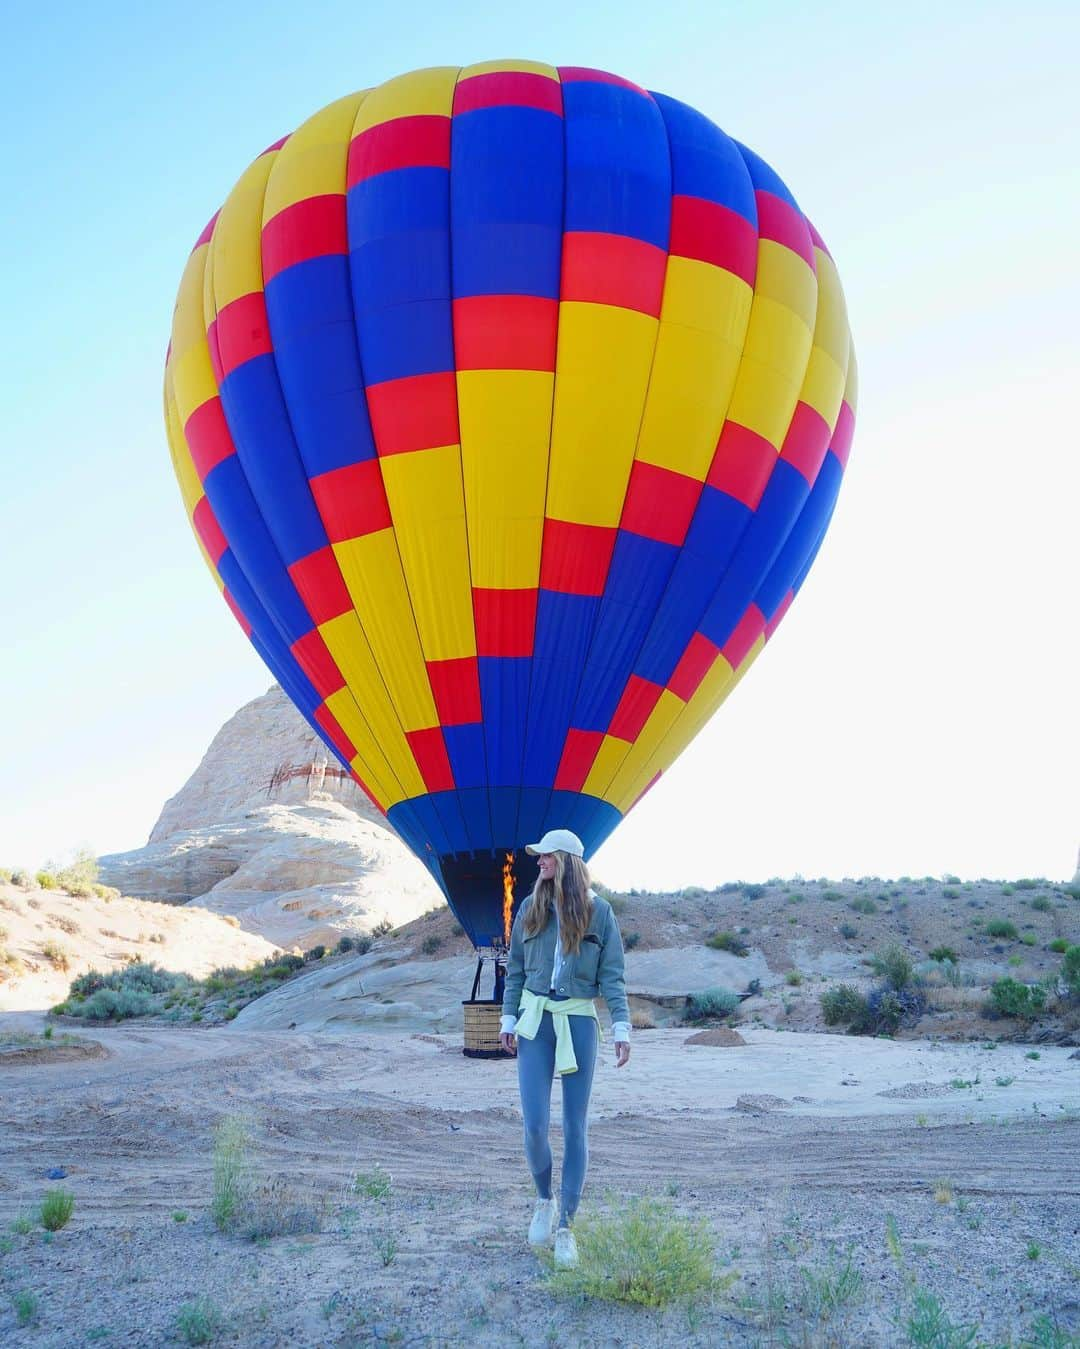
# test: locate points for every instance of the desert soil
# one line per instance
(794, 1148)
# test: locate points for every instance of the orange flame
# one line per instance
(508, 895)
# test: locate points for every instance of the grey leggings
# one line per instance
(536, 1068)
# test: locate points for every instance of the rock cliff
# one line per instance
(270, 829)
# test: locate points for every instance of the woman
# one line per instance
(565, 947)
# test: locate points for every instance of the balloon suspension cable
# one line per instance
(497, 954)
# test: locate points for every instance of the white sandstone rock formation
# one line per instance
(269, 829)
(265, 753)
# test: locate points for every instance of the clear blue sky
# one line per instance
(916, 712)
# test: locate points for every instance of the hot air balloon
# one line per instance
(509, 405)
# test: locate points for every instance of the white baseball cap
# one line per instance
(557, 840)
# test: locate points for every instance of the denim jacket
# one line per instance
(597, 968)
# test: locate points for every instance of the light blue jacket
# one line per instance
(596, 969)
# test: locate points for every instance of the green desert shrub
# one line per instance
(928, 1326)
(825, 1290)
(1009, 997)
(143, 976)
(138, 990)
(375, 1184)
(848, 931)
(831, 895)
(843, 1005)
(712, 1002)
(1059, 945)
(943, 953)
(863, 905)
(1070, 971)
(77, 876)
(112, 1004)
(383, 928)
(200, 1321)
(1001, 927)
(46, 880)
(631, 940)
(20, 878)
(57, 1208)
(894, 965)
(728, 941)
(361, 945)
(891, 1008)
(1029, 938)
(430, 944)
(25, 1306)
(1041, 904)
(950, 892)
(755, 891)
(315, 953)
(881, 1012)
(643, 1254)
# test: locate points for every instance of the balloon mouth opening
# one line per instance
(483, 888)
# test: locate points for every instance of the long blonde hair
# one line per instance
(568, 890)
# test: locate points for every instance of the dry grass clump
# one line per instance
(55, 954)
(277, 1208)
(642, 1253)
(257, 1207)
(200, 1321)
(232, 1169)
(11, 967)
(949, 999)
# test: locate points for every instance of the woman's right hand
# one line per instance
(509, 1042)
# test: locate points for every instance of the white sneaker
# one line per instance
(566, 1256)
(543, 1222)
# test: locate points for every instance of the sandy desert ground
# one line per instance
(794, 1148)
(943, 1164)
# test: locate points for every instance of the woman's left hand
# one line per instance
(622, 1053)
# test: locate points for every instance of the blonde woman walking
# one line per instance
(565, 948)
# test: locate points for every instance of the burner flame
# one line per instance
(508, 895)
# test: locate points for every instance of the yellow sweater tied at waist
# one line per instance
(532, 1008)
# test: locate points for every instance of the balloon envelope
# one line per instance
(509, 405)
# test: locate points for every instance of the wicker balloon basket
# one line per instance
(482, 1029)
(483, 1017)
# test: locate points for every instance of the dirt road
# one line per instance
(786, 1147)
